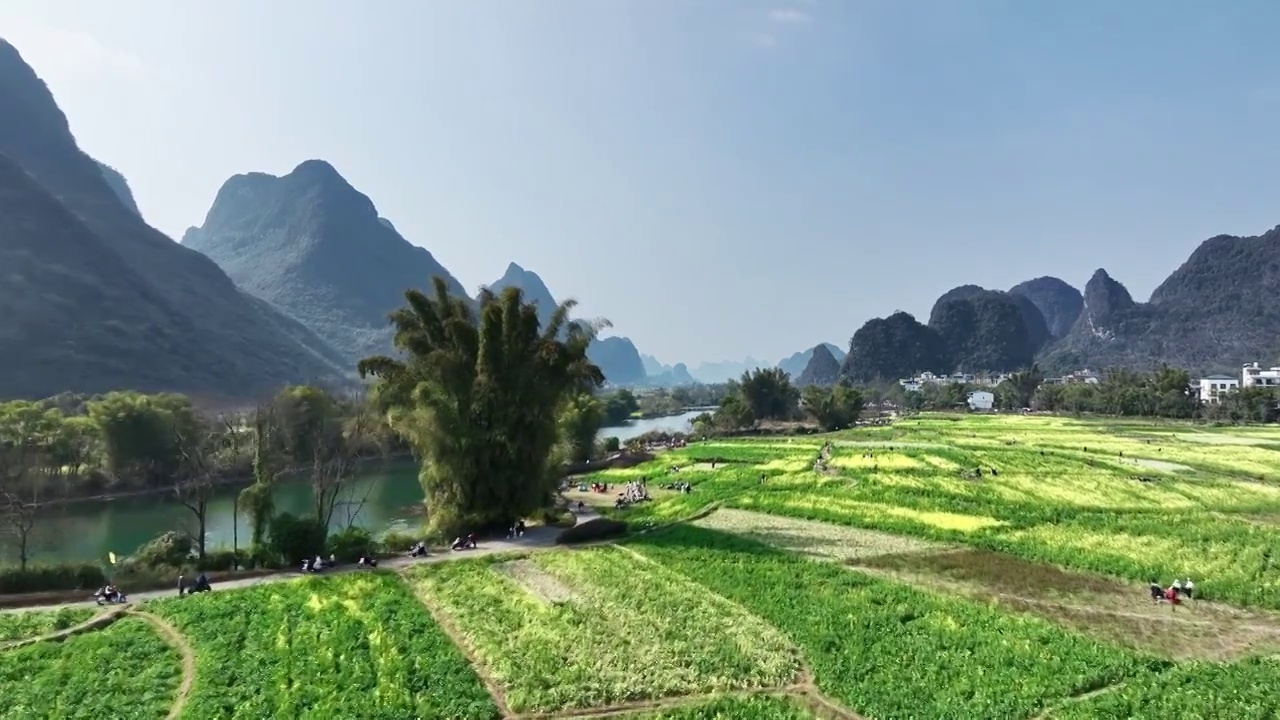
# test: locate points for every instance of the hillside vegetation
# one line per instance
(97, 300)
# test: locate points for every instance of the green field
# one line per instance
(939, 567)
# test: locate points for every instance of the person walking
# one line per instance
(181, 586)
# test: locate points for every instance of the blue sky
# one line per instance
(717, 178)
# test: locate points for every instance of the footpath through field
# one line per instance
(535, 537)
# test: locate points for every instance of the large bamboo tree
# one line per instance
(479, 396)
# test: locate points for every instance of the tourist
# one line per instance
(181, 586)
(1172, 596)
(1157, 592)
(1177, 587)
(1189, 588)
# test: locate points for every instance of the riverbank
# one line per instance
(538, 536)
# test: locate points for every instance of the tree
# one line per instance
(204, 450)
(257, 499)
(619, 407)
(479, 396)
(1016, 392)
(580, 422)
(138, 435)
(334, 455)
(20, 491)
(769, 393)
(833, 408)
(733, 413)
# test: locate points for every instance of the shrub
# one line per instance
(612, 444)
(350, 544)
(170, 549)
(397, 542)
(293, 538)
(44, 578)
(220, 560)
(597, 529)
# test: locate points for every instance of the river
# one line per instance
(387, 496)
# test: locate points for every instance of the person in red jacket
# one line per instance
(1172, 596)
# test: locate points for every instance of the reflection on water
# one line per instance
(387, 498)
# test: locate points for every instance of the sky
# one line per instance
(718, 179)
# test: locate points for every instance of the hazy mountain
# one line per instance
(652, 366)
(207, 336)
(725, 370)
(314, 246)
(119, 186)
(1059, 303)
(823, 368)
(676, 376)
(795, 364)
(616, 357)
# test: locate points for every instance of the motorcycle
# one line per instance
(116, 598)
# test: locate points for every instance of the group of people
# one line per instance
(1174, 593)
(109, 594)
(517, 531)
(634, 492)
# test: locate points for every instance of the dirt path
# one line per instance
(1050, 711)
(175, 638)
(97, 622)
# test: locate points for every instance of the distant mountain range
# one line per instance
(616, 357)
(1213, 314)
(290, 279)
(93, 299)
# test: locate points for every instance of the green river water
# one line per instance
(388, 497)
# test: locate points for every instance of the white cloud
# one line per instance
(64, 51)
(789, 15)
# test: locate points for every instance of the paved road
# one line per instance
(536, 537)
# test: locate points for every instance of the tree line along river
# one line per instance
(387, 496)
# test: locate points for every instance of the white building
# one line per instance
(1252, 375)
(981, 400)
(1212, 388)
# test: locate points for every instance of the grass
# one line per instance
(889, 651)
(615, 629)
(346, 646)
(124, 671)
(22, 625)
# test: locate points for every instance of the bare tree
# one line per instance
(201, 454)
(20, 461)
(336, 453)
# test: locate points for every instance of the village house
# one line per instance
(982, 400)
(1213, 387)
(1253, 376)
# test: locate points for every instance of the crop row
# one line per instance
(347, 646)
(124, 671)
(888, 651)
(600, 627)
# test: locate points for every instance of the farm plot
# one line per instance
(1241, 691)
(346, 646)
(123, 671)
(615, 629)
(888, 651)
(34, 623)
(1102, 607)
